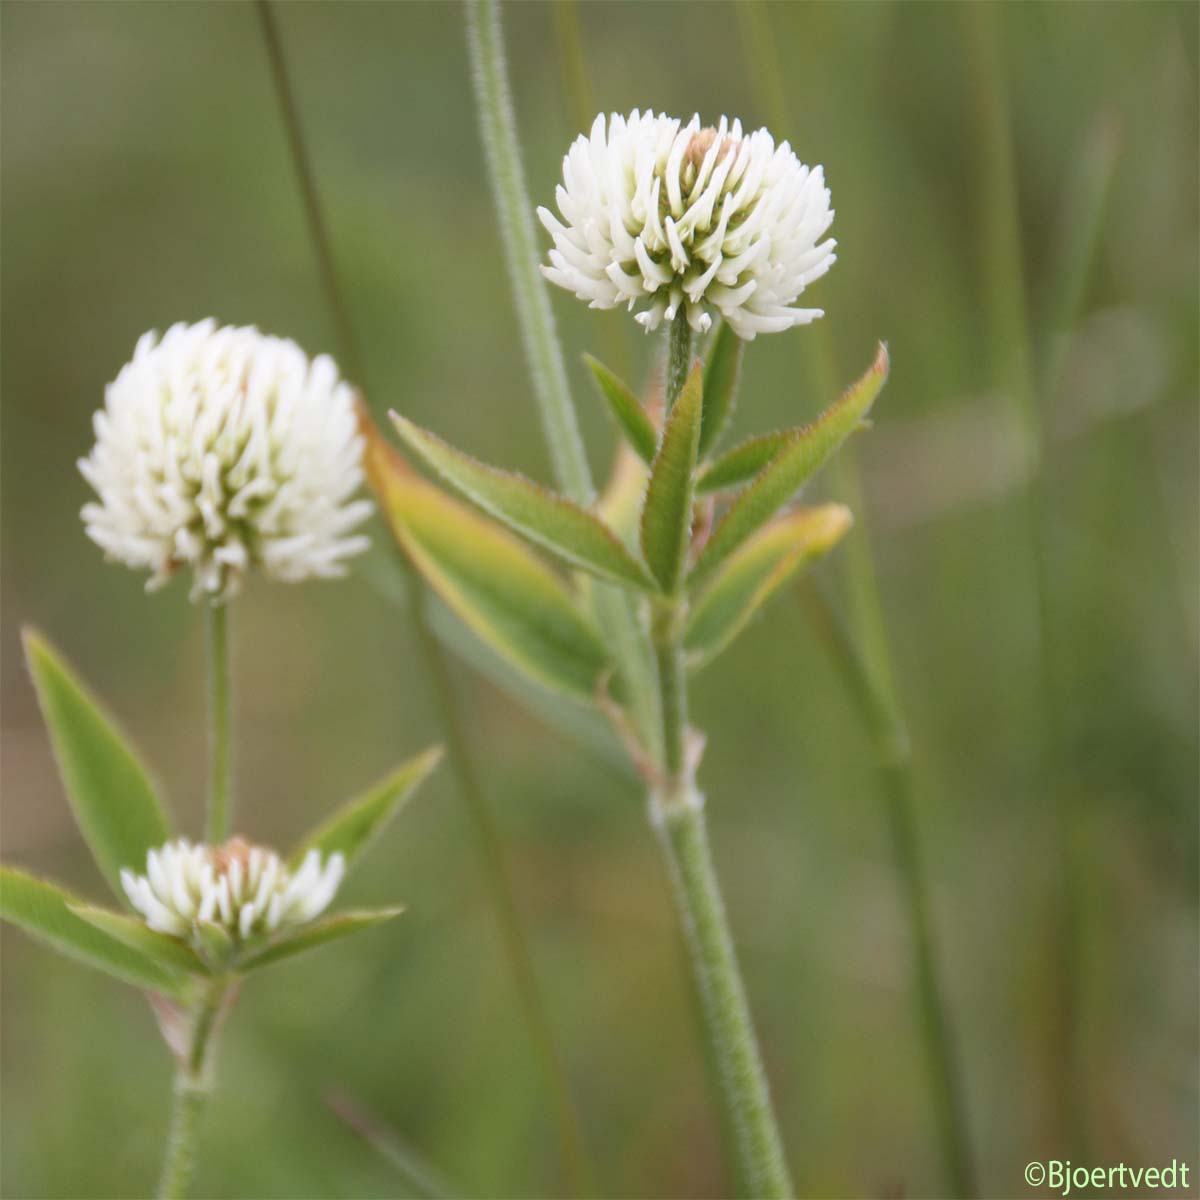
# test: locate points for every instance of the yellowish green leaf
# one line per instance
(806, 451)
(755, 572)
(537, 514)
(492, 581)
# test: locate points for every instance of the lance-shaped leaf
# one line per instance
(744, 461)
(721, 374)
(317, 934)
(494, 583)
(355, 825)
(626, 409)
(44, 910)
(112, 796)
(539, 515)
(752, 575)
(806, 451)
(666, 529)
(139, 936)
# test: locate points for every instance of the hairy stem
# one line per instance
(615, 611)
(499, 132)
(220, 721)
(193, 1084)
(504, 904)
(677, 814)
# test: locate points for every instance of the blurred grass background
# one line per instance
(146, 180)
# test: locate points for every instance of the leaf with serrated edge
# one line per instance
(744, 461)
(752, 575)
(111, 793)
(666, 529)
(503, 591)
(139, 936)
(626, 409)
(318, 934)
(721, 374)
(44, 910)
(354, 826)
(541, 516)
(779, 481)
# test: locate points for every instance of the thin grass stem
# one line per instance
(504, 904)
(615, 608)
(220, 723)
(877, 676)
(1030, 389)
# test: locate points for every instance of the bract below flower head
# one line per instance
(225, 449)
(245, 889)
(661, 215)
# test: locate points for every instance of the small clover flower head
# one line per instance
(247, 890)
(657, 214)
(223, 449)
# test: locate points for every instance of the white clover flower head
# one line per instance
(223, 449)
(660, 214)
(246, 890)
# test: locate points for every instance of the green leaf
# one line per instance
(721, 374)
(541, 516)
(44, 910)
(491, 580)
(805, 452)
(137, 934)
(111, 794)
(752, 575)
(626, 409)
(667, 511)
(316, 935)
(744, 461)
(355, 825)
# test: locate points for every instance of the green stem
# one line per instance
(498, 129)
(570, 1130)
(679, 821)
(677, 814)
(193, 1084)
(220, 720)
(615, 609)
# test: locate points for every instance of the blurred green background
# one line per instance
(146, 180)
